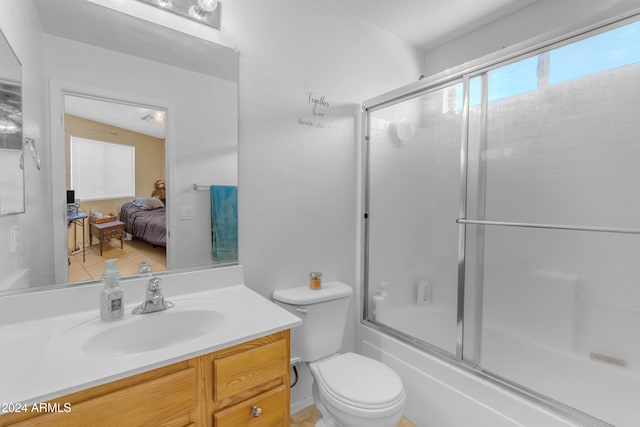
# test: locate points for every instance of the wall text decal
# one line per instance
(107, 131)
(318, 105)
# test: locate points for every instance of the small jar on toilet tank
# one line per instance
(315, 280)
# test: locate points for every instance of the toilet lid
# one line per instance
(360, 380)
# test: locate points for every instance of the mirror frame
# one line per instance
(17, 84)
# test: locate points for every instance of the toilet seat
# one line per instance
(359, 385)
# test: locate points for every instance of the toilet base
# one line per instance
(326, 420)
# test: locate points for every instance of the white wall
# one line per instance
(298, 192)
(202, 116)
(20, 25)
(297, 182)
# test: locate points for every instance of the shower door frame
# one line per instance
(463, 74)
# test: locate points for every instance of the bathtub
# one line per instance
(19, 279)
(600, 388)
(426, 323)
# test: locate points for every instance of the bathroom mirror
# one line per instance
(11, 166)
(96, 52)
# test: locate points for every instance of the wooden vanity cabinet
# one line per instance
(251, 383)
(243, 385)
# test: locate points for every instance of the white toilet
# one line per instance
(350, 390)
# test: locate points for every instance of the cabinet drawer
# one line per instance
(243, 371)
(272, 407)
(112, 232)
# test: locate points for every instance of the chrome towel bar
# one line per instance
(550, 226)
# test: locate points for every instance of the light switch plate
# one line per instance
(185, 213)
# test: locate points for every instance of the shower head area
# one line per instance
(501, 220)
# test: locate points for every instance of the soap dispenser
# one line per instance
(111, 297)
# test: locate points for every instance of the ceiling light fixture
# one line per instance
(158, 116)
(155, 116)
(203, 11)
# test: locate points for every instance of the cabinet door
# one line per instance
(151, 403)
(265, 410)
(255, 373)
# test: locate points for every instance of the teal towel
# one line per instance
(224, 223)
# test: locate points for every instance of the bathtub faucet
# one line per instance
(154, 300)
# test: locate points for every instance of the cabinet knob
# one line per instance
(256, 411)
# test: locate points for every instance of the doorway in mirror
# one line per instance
(115, 156)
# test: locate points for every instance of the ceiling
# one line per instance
(132, 117)
(425, 24)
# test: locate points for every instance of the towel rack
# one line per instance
(201, 187)
(31, 143)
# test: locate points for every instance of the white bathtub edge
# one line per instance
(440, 394)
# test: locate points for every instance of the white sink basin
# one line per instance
(154, 331)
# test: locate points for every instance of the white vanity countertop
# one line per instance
(44, 358)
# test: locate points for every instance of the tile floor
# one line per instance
(129, 257)
(308, 417)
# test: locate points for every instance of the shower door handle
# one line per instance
(549, 226)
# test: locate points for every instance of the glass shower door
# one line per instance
(521, 210)
(555, 270)
(413, 199)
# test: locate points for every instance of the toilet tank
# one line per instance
(323, 313)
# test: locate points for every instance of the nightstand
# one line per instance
(107, 231)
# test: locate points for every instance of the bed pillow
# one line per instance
(148, 203)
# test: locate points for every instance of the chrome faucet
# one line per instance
(154, 300)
